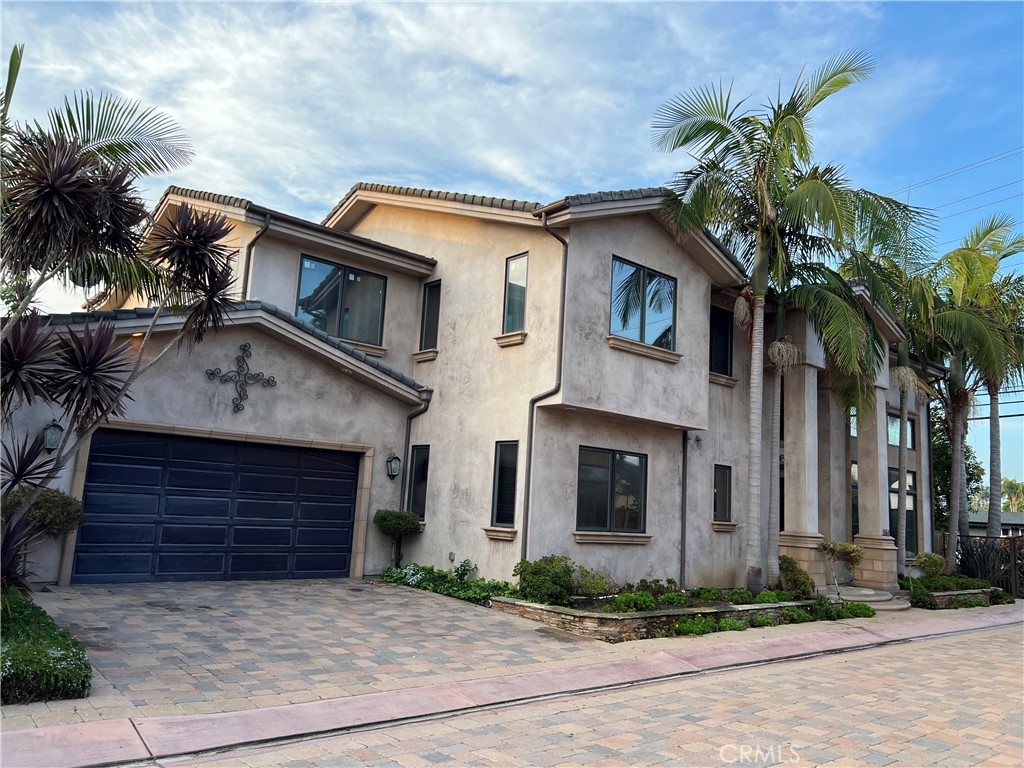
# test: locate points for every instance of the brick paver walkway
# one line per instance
(953, 701)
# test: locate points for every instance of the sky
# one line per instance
(290, 104)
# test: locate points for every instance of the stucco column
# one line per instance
(878, 569)
(833, 466)
(800, 537)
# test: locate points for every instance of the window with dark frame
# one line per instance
(894, 500)
(515, 294)
(431, 315)
(341, 301)
(721, 341)
(723, 494)
(611, 492)
(643, 305)
(419, 464)
(503, 501)
(893, 428)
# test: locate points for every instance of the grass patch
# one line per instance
(39, 660)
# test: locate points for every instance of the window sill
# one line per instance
(723, 527)
(605, 537)
(372, 350)
(500, 534)
(424, 355)
(644, 350)
(721, 378)
(511, 339)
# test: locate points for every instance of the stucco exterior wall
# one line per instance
(616, 381)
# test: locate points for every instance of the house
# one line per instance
(560, 378)
(1012, 523)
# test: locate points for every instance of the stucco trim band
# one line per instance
(500, 534)
(511, 339)
(424, 355)
(605, 537)
(373, 350)
(644, 350)
(723, 527)
(720, 378)
(242, 437)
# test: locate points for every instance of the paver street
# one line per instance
(951, 701)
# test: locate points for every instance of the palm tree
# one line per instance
(752, 183)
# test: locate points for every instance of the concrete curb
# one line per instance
(111, 742)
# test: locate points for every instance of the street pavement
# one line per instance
(949, 701)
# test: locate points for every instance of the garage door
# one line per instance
(164, 508)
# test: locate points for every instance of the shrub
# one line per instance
(547, 580)
(953, 583)
(822, 609)
(793, 615)
(461, 571)
(657, 587)
(844, 551)
(592, 583)
(966, 602)
(678, 599)
(794, 578)
(931, 563)
(999, 597)
(856, 611)
(55, 512)
(631, 602)
(444, 583)
(727, 624)
(396, 522)
(39, 660)
(763, 620)
(740, 596)
(710, 594)
(920, 597)
(695, 625)
(773, 596)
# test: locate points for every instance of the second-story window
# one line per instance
(893, 428)
(721, 341)
(431, 315)
(342, 301)
(515, 294)
(643, 304)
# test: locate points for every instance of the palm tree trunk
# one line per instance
(755, 574)
(995, 464)
(901, 503)
(772, 575)
(963, 519)
(955, 480)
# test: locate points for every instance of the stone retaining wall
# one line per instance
(949, 599)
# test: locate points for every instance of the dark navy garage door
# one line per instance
(165, 508)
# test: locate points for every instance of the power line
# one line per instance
(969, 197)
(979, 207)
(1001, 416)
(1006, 154)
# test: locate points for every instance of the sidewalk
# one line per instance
(144, 738)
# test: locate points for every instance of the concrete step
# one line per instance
(861, 594)
(892, 605)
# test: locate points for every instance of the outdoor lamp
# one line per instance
(394, 465)
(51, 436)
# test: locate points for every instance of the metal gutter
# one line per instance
(248, 255)
(425, 396)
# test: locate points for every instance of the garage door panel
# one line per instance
(175, 509)
(261, 536)
(196, 535)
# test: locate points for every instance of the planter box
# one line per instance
(949, 599)
(620, 627)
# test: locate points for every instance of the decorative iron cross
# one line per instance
(241, 377)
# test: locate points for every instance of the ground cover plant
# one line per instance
(455, 583)
(39, 660)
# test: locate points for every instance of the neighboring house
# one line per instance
(561, 378)
(1012, 523)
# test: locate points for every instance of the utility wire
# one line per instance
(969, 197)
(1006, 154)
(979, 207)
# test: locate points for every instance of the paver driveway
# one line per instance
(170, 649)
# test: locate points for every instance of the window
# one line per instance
(611, 493)
(853, 422)
(419, 461)
(723, 494)
(431, 314)
(721, 341)
(503, 501)
(893, 427)
(894, 500)
(515, 294)
(341, 301)
(854, 505)
(643, 304)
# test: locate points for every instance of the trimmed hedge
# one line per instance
(39, 660)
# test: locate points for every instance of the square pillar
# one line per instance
(878, 570)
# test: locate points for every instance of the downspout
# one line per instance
(425, 395)
(248, 256)
(684, 464)
(547, 393)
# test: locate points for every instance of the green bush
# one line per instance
(592, 583)
(856, 611)
(548, 580)
(727, 624)
(677, 599)
(791, 614)
(931, 563)
(843, 551)
(763, 620)
(953, 583)
(709, 594)
(740, 596)
(773, 596)
(54, 511)
(999, 597)
(920, 597)
(39, 660)
(794, 578)
(695, 625)
(966, 602)
(444, 583)
(396, 522)
(657, 587)
(631, 602)
(822, 609)
(461, 571)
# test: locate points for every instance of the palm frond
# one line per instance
(93, 369)
(842, 70)
(13, 67)
(27, 363)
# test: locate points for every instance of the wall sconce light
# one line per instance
(394, 465)
(51, 436)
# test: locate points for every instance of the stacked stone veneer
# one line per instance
(950, 599)
(619, 627)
